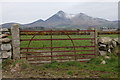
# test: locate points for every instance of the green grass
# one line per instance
(45, 43)
(111, 35)
(93, 64)
(70, 72)
(58, 43)
(108, 70)
(55, 43)
(72, 67)
(7, 63)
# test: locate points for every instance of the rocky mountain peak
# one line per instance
(65, 15)
(60, 13)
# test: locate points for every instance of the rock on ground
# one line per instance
(102, 53)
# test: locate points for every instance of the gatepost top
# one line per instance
(16, 25)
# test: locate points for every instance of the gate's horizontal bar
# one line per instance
(56, 47)
(62, 31)
(58, 39)
(56, 34)
(56, 59)
(59, 55)
(60, 51)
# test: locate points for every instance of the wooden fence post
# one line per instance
(15, 41)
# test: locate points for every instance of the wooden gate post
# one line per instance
(15, 41)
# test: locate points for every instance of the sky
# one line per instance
(27, 12)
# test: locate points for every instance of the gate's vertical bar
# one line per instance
(15, 41)
(51, 47)
(96, 43)
(92, 34)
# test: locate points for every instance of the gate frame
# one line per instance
(15, 31)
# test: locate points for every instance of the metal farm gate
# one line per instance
(40, 47)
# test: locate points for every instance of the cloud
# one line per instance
(27, 12)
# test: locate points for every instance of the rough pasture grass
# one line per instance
(57, 43)
(91, 69)
(110, 35)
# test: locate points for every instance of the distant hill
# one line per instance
(64, 20)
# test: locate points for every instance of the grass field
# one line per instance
(111, 35)
(57, 43)
(91, 69)
(60, 43)
(70, 69)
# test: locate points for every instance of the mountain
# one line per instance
(8, 25)
(64, 20)
(37, 23)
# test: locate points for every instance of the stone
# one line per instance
(117, 51)
(3, 29)
(102, 53)
(6, 32)
(0, 55)
(117, 40)
(6, 47)
(109, 50)
(104, 40)
(114, 43)
(3, 35)
(103, 62)
(107, 57)
(102, 47)
(5, 40)
(108, 45)
(6, 54)
(15, 41)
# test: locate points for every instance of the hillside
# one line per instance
(65, 20)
